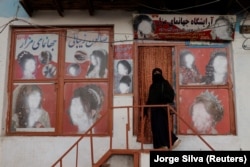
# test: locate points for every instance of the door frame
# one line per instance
(136, 82)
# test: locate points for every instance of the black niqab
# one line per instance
(157, 75)
(160, 92)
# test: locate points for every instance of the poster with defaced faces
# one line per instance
(203, 66)
(204, 110)
(36, 56)
(85, 104)
(87, 54)
(123, 69)
(184, 27)
(33, 108)
(123, 81)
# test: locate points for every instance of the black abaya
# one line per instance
(160, 92)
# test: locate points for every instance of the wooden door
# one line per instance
(148, 58)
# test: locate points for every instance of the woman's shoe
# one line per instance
(165, 148)
(176, 143)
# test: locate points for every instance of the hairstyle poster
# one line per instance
(86, 54)
(203, 66)
(123, 69)
(184, 27)
(34, 108)
(85, 103)
(123, 82)
(205, 110)
(36, 56)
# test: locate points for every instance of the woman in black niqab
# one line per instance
(160, 92)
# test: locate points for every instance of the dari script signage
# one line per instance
(184, 27)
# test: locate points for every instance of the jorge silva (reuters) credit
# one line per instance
(207, 158)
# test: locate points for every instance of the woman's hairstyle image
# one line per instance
(126, 79)
(103, 56)
(183, 55)
(74, 69)
(21, 107)
(209, 76)
(222, 28)
(91, 98)
(212, 105)
(126, 64)
(22, 58)
(138, 20)
(227, 23)
(45, 57)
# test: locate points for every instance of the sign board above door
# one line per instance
(184, 27)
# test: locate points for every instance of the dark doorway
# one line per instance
(148, 58)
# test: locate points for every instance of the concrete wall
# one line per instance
(43, 151)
